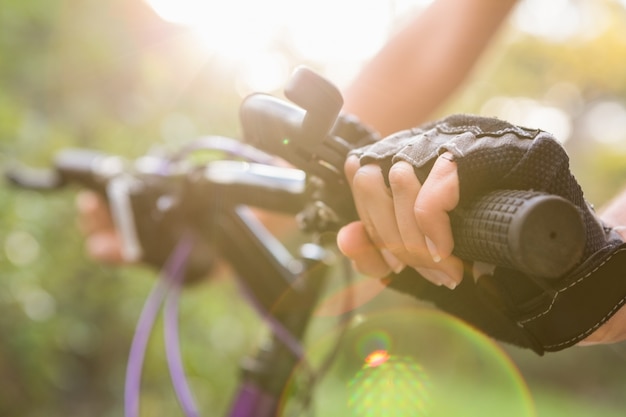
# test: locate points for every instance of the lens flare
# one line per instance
(408, 360)
(376, 358)
(388, 386)
(370, 343)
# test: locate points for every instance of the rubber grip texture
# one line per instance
(539, 234)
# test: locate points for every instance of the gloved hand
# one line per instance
(541, 314)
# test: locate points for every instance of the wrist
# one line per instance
(613, 331)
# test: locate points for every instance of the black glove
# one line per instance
(541, 314)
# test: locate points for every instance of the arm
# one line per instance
(541, 313)
(399, 88)
(406, 81)
(424, 63)
(409, 78)
(614, 213)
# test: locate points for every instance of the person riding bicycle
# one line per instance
(403, 208)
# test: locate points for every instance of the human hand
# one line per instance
(102, 242)
(403, 214)
(405, 224)
(535, 312)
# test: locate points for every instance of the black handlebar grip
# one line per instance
(539, 234)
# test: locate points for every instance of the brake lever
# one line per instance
(300, 132)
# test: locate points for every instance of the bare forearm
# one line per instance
(614, 213)
(418, 69)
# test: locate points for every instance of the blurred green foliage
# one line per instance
(105, 75)
(112, 76)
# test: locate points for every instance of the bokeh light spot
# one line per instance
(21, 248)
(37, 303)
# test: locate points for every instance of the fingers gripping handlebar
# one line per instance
(539, 234)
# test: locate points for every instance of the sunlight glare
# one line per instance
(345, 30)
(320, 30)
(233, 28)
(267, 73)
(247, 34)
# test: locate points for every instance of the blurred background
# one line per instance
(124, 76)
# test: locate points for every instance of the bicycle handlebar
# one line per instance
(539, 234)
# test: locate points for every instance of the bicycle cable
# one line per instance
(171, 276)
(166, 294)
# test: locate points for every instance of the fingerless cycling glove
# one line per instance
(532, 312)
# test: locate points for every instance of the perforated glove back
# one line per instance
(532, 312)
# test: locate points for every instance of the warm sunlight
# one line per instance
(233, 28)
(257, 40)
(255, 34)
(320, 29)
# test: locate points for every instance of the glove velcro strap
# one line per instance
(596, 292)
(469, 302)
(550, 321)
